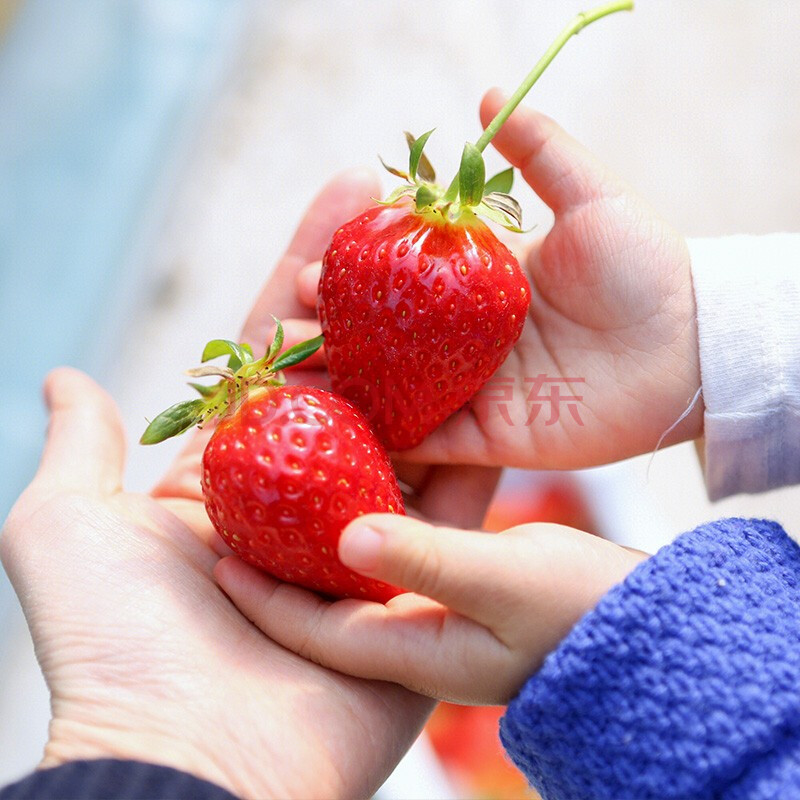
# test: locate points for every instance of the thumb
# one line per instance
(460, 569)
(559, 169)
(85, 448)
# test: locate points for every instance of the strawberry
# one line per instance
(418, 312)
(419, 302)
(286, 469)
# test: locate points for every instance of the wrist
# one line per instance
(685, 375)
(226, 756)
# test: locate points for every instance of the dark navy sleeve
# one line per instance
(684, 681)
(112, 780)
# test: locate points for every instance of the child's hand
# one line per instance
(612, 308)
(489, 607)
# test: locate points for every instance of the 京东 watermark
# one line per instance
(546, 399)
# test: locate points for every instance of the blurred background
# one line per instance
(155, 156)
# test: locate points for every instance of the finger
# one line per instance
(308, 284)
(182, 479)
(344, 197)
(85, 446)
(559, 169)
(461, 569)
(457, 495)
(408, 641)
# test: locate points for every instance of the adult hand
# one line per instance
(144, 656)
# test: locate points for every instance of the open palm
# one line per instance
(144, 655)
(147, 659)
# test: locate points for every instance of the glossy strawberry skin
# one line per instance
(418, 313)
(285, 473)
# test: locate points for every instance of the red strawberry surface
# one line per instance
(417, 312)
(284, 473)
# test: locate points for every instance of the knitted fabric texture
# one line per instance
(684, 681)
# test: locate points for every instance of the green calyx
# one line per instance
(469, 189)
(241, 374)
(488, 198)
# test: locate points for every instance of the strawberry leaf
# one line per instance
(425, 196)
(205, 391)
(394, 171)
(277, 342)
(471, 176)
(400, 191)
(176, 419)
(294, 355)
(234, 362)
(502, 182)
(205, 372)
(500, 217)
(506, 204)
(239, 353)
(417, 162)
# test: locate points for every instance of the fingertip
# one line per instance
(64, 386)
(560, 170)
(360, 547)
(221, 568)
(54, 384)
(365, 542)
(85, 444)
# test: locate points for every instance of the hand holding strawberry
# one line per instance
(611, 305)
(144, 656)
(421, 307)
(488, 608)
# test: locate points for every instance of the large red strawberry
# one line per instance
(419, 302)
(286, 469)
(418, 313)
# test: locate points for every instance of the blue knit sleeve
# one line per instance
(684, 681)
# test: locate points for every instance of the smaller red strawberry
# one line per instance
(287, 468)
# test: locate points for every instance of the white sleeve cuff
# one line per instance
(747, 290)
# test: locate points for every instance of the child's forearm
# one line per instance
(683, 682)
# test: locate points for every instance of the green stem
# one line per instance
(579, 22)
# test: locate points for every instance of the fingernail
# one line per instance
(360, 547)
